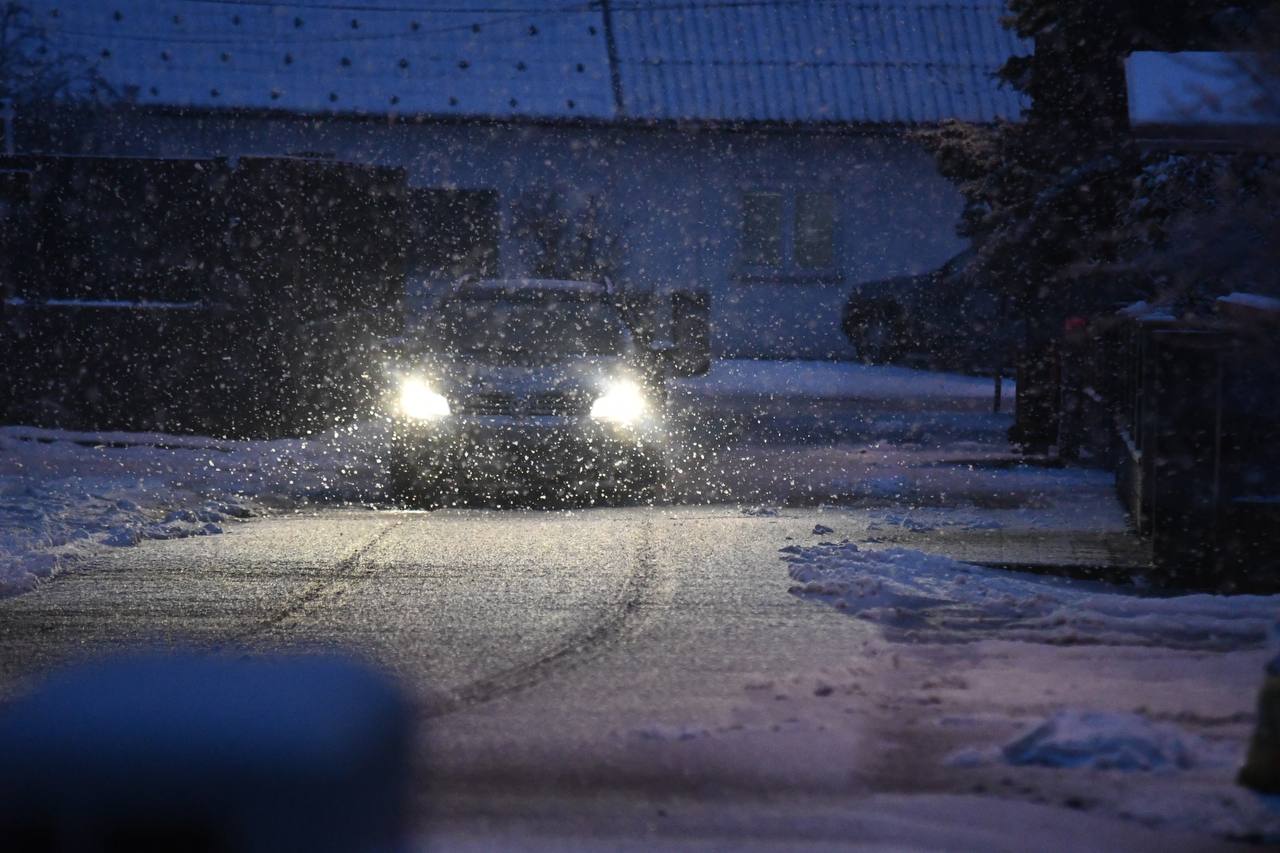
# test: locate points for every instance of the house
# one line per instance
(756, 150)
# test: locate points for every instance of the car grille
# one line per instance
(548, 404)
(489, 404)
(558, 403)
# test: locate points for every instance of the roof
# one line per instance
(510, 58)
(814, 61)
(899, 61)
(1233, 98)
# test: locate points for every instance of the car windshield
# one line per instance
(533, 325)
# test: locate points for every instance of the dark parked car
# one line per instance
(937, 319)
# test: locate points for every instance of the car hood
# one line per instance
(457, 377)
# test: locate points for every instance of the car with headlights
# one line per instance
(532, 389)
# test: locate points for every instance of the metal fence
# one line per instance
(189, 369)
(1186, 411)
(242, 299)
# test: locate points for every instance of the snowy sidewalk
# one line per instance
(1106, 700)
(818, 401)
(923, 450)
(754, 381)
(68, 496)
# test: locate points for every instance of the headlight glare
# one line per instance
(420, 401)
(622, 403)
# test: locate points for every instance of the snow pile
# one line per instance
(67, 496)
(1142, 310)
(1256, 301)
(1103, 740)
(934, 597)
(1112, 741)
(45, 526)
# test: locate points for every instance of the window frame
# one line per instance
(788, 270)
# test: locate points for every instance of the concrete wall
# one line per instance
(673, 197)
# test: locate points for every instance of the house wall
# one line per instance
(672, 197)
(894, 216)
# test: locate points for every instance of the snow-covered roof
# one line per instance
(899, 61)
(1203, 90)
(513, 58)
(896, 61)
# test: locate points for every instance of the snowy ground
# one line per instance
(826, 403)
(934, 598)
(67, 496)
(839, 380)
(984, 683)
(1109, 700)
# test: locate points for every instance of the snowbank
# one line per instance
(67, 496)
(1255, 301)
(937, 598)
(1074, 739)
(1142, 310)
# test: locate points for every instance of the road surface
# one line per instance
(623, 676)
(638, 677)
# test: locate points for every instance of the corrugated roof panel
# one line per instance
(529, 58)
(700, 60)
(856, 61)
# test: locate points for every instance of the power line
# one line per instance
(587, 6)
(576, 8)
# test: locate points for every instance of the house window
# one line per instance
(815, 231)
(788, 234)
(762, 229)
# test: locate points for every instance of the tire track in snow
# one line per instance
(350, 568)
(642, 586)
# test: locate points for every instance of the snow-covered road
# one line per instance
(805, 632)
(660, 656)
(66, 497)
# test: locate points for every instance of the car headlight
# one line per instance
(621, 403)
(420, 401)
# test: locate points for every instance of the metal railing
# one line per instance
(1187, 413)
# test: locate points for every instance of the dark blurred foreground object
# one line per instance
(199, 754)
(1261, 769)
(938, 319)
